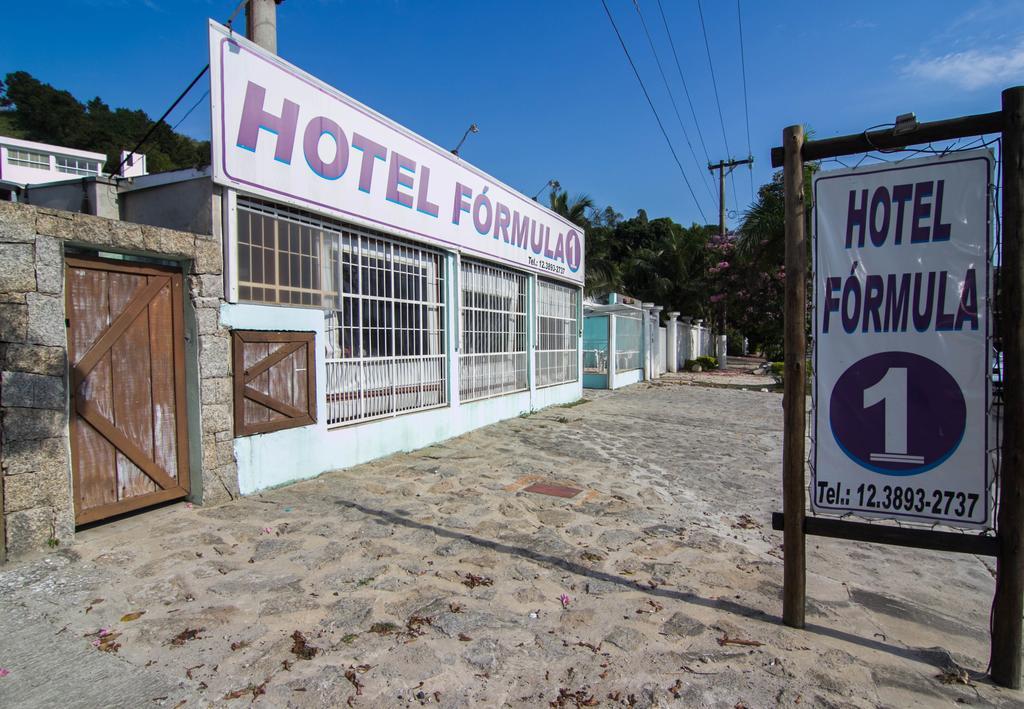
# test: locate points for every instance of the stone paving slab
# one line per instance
(435, 578)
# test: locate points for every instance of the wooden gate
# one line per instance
(129, 440)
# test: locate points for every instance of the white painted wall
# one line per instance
(272, 459)
(37, 176)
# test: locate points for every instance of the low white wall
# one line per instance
(272, 459)
(622, 379)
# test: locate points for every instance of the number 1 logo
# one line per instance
(897, 413)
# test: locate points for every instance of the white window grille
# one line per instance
(28, 158)
(492, 358)
(77, 166)
(628, 341)
(385, 332)
(557, 333)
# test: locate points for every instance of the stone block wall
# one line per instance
(35, 470)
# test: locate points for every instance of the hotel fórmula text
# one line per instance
(902, 358)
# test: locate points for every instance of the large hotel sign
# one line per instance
(282, 134)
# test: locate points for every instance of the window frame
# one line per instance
(493, 330)
(565, 333)
(19, 161)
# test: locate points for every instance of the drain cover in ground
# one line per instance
(553, 490)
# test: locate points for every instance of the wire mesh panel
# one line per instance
(385, 332)
(558, 331)
(492, 359)
(628, 341)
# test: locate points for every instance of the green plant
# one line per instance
(53, 542)
(706, 363)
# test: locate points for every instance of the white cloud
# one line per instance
(973, 68)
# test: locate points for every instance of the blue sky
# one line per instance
(548, 83)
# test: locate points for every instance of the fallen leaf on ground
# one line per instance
(580, 698)
(745, 522)
(188, 672)
(955, 675)
(254, 689)
(472, 580)
(4, 672)
(351, 676)
(301, 647)
(726, 640)
(134, 615)
(464, 638)
(383, 628)
(235, 646)
(185, 635)
(107, 642)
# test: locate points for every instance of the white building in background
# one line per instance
(25, 162)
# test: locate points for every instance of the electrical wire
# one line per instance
(672, 98)
(153, 128)
(718, 102)
(686, 90)
(653, 109)
(746, 106)
(189, 111)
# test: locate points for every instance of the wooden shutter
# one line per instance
(274, 381)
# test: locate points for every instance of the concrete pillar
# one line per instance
(722, 350)
(261, 23)
(655, 340)
(648, 340)
(672, 344)
(613, 353)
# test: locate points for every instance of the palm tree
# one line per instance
(575, 210)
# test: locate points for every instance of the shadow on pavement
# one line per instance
(933, 656)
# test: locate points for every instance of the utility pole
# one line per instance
(724, 167)
(261, 23)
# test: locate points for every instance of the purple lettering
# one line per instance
(371, 151)
(254, 118)
(423, 204)
(396, 178)
(315, 130)
(922, 210)
(856, 217)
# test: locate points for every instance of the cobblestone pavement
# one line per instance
(435, 577)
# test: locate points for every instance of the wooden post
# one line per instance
(793, 447)
(1008, 608)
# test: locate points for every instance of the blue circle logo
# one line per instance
(897, 413)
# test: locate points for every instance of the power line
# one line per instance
(718, 102)
(189, 111)
(672, 98)
(160, 120)
(746, 108)
(686, 90)
(653, 109)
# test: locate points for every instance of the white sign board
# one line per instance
(284, 135)
(901, 331)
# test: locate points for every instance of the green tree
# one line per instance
(38, 111)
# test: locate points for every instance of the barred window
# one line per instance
(386, 327)
(557, 333)
(628, 342)
(77, 166)
(279, 254)
(28, 158)
(492, 359)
